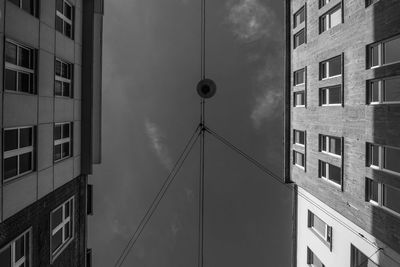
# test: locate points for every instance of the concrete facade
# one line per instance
(353, 120)
(51, 180)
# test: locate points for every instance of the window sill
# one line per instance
(299, 166)
(384, 170)
(331, 105)
(331, 154)
(392, 212)
(384, 103)
(384, 65)
(16, 178)
(63, 97)
(339, 186)
(60, 249)
(300, 106)
(18, 93)
(330, 77)
(320, 237)
(62, 159)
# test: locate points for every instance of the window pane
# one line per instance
(67, 229)
(335, 66)
(373, 190)
(27, 6)
(323, 168)
(25, 162)
(335, 95)
(24, 58)
(374, 151)
(5, 257)
(319, 225)
(59, 5)
(300, 38)
(358, 259)
(336, 17)
(299, 158)
(57, 132)
(375, 56)
(335, 174)
(65, 70)
(335, 145)
(66, 90)
(392, 90)
(10, 139)
(67, 210)
(392, 159)
(23, 82)
(27, 250)
(56, 218)
(392, 51)
(11, 53)
(58, 68)
(10, 80)
(25, 137)
(299, 99)
(323, 70)
(299, 77)
(66, 131)
(57, 88)
(65, 149)
(68, 11)
(57, 152)
(56, 240)
(392, 198)
(19, 248)
(10, 167)
(323, 96)
(59, 24)
(374, 91)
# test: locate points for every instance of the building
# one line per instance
(342, 130)
(50, 117)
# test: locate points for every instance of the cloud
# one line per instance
(250, 19)
(266, 107)
(156, 138)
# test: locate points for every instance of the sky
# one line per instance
(151, 66)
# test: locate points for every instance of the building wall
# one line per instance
(37, 217)
(42, 109)
(342, 237)
(355, 121)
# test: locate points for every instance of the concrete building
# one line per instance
(50, 116)
(342, 130)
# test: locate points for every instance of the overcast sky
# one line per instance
(151, 65)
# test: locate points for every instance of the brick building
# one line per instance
(342, 98)
(50, 117)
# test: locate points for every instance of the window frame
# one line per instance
(295, 137)
(295, 99)
(325, 70)
(325, 139)
(327, 178)
(12, 244)
(323, 3)
(327, 236)
(20, 151)
(60, 227)
(381, 53)
(382, 193)
(35, 9)
(327, 96)
(295, 161)
(295, 75)
(297, 13)
(381, 157)
(62, 141)
(370, 2)
(64, 80)
(296, 37)
(310, 258)
(20, 69)
(325, 20)
(66, 20)
(381, 91)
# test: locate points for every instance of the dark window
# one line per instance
(299, 38)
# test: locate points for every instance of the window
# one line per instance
(298, 159)
(17, 253)
(299, 100)
(319, 227)
(19, 68)
(89, 202)
(299, 77)
(88, 257)
(330, 144)
(322, 3)
(330, 172)
(62, 141)
(331, 68)
(331, 96)
(383, 157)
(62, 227)
(384, 52)
(313, 260)
(384, 91)
(63, 78)
(299, 17)
(332, 18)
(383, 195)
(299, 38)
(18, 152)
(29, 6)
(359, 259)
(64, 18)
(299, 137)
